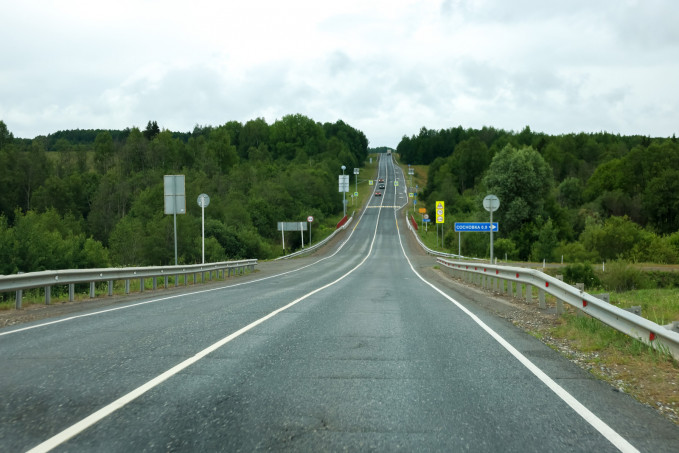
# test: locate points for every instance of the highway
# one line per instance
(356, 349)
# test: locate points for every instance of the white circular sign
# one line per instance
(310, 219)
(426, 216)
(203, 200)
(491, 203)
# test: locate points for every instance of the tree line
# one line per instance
(94, 198)
(583, 197)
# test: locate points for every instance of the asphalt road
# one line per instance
(360, 349)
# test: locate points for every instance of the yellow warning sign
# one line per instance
(440, 212)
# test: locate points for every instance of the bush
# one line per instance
(505, 248)
(620, 276)
(661, 279)
(581, 273)
(574, 252)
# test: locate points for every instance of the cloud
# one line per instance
(386, 67)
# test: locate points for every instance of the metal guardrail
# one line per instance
(46, 279)
(494, 276)
(320, 244)
(431, 251)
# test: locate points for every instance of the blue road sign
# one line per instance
(480, 227)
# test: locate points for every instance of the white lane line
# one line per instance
(609, 433)
(107, 410)
(176, 296)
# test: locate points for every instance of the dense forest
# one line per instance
(91, 198)
(94, 198)
(583, 197)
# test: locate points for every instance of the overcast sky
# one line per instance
(386, 67)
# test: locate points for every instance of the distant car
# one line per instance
(381, 180)
(378, 194)
(381, 186)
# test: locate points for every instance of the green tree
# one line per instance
(6, 136)
(617, 238)
(32, 168)
(221, 152)
(546, 244)
(133, 155)
(151, 130)
(293, 132)
(522, 180)
(468, 162)
(661, 203)
(570, 192)
(126, 242)
(255, 133)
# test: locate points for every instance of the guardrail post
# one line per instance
(519, 290)
(92, 290)
(48, 295)
(529, 293)
(541, 298)
(71, 292)
(155, 283)
(510, 287)
(127, 286)
(20, 294)
(166, 282)
(110, 287)
(559, 303)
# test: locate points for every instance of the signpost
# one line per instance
(440, 218)
(175, 201)
(292, 226)
(490, 204)
(203, 202)
(344, 188)
(476, 226)
(310, 219)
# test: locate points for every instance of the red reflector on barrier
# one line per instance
(584, 303)
(651, 337)
(517, 275)
(484, 269)
(546, 284)
(497, 271)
